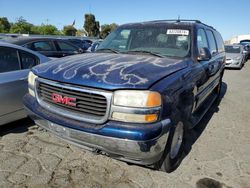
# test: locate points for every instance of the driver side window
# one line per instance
(201, 39)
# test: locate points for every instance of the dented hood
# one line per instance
(109, 71)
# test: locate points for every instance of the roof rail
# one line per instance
(178, 20)
(183, 20)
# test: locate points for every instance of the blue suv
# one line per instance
(134, 98)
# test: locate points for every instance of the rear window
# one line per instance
(220, 42)
(28, 60)
(8, 60)
(232, 49)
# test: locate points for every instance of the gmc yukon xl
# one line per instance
(134, 98)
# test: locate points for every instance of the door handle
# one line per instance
(211, 69)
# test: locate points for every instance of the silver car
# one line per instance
(15, 63)
(235, 57)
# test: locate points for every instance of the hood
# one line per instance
(109, 71)
(233, 55)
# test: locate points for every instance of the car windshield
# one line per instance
(158, 41)
(232, 49)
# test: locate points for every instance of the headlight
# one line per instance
(237, 58)
(31, 80)
(139, 99)
(128, 102)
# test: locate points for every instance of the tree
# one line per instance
(4, 25)
(106, 29)
(91, 26)
(49, 30)
(69, 30)
(21, 26)
(45, 30)
(81, 32)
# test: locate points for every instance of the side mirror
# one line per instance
(94, 47)
(204, 54)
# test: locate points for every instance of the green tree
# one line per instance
(91, 26)
(4, 25)
(21, 26)
(45, 30)
(69, 30)
(106, 29)
(81, 32)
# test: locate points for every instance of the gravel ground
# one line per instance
(217, 154)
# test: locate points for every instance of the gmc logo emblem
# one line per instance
(63, 99)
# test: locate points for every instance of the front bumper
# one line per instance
(132, 143)
(232, 64)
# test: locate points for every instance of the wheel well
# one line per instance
(185, 104)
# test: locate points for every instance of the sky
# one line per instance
(229, 17)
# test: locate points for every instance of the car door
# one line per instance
(211, 67)
(14, 67)
(11, 81)
(45, 47)
(66, 48)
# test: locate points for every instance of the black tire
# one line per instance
(172, 159)
(242, 64)
(217, 89)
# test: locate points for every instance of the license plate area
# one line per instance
(61, 131)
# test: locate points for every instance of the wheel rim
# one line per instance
(177, 140)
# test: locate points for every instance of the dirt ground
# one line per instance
(217, 152)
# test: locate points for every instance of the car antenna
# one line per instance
(178, 20)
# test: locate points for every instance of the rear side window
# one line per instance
(28, 60)
(43, 46)
(211, 41)
(201, 39)
(220, 42)
(65, 46)
(8, 59)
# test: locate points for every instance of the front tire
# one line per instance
(175, 149)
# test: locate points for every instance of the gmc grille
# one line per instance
(91, 106)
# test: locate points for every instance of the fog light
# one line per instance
(134, 118)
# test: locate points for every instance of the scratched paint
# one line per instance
(110, 69)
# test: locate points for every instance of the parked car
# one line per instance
(50, 47)
(134, 98)
(247, 51)
(15, 63)
(235, 57)
(83, 44)
(246, 44)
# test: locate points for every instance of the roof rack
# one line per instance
(183, 20)
(178, 20)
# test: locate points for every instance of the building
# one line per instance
(237, 39)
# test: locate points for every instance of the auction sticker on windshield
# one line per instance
(177, 32)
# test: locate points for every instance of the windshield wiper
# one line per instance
(145, 52)
(107, 49)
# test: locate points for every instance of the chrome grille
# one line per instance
(90, 105)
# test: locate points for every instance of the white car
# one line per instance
(235, 57)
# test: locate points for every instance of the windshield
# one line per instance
(152, 40)
(232, 49)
